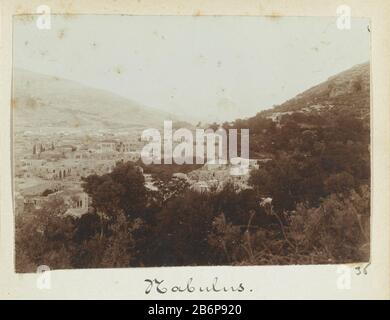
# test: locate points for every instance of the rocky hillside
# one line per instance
(348, 91)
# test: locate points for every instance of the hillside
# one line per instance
(41, 101)
(348, 91)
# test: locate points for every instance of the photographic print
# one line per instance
(155, 141)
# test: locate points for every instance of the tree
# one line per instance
(120, 248)
(167, 189)
(183, 229)
(337, 231)
(122, 189)
(214, 126)
(340, 183)
(236, 205)
(44, 237)
(280, 180)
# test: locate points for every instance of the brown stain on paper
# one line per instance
(274, 15)
(198, 13)
(61, 34)
(30, 102)
(14, 102)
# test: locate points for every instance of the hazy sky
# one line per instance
(200, 68)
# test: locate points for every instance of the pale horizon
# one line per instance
(181, 71)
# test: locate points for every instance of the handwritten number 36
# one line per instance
(359, 269)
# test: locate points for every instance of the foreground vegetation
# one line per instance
(318, 180)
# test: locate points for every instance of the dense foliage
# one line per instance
(318, 180)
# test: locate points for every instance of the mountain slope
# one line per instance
(348, 91)
(41, 101)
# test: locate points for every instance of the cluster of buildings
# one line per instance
(48, 169)
(277, 116)
(45, 169)
(215, 174)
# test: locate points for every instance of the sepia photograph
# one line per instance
(167, 141)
